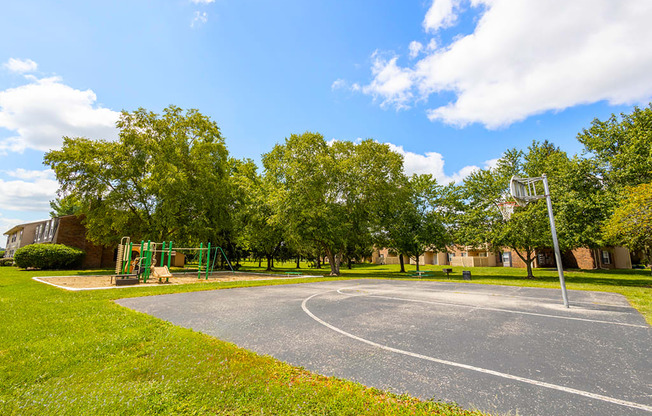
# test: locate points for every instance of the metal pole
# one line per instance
(227, 259)
(169, 255)
(553, 231)
(201, 248)
(208, 259)
(163, 255)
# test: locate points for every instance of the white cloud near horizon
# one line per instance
(524, 58)
(31, 193)
(7, 224)
(433, 163)
(44, 110)
(202, 1)
(21, 173)
(20, 65)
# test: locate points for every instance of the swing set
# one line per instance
(144, 263)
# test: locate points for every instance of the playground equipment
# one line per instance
(144, 265)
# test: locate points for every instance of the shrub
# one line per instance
(6, 262)
(48, 256)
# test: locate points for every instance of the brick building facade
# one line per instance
(67, 230)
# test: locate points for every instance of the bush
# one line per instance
(6, 262)
(48, 256)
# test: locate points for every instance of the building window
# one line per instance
(483, 254)
(464, 254)
(606, 257)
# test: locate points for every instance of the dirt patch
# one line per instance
(106, 282)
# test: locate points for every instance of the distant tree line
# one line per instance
(170, 177)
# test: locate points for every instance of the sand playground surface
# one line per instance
(106, 282)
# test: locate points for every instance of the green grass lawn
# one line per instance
(78, 353)
(636, 285)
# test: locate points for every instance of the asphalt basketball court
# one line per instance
(496, 348)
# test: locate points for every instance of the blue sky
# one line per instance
(450, 83)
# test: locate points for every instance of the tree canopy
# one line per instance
(631, 224)
(418, 219)
(165, 178)
(332, 194)
(621, 147)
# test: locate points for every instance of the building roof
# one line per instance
(21, 226)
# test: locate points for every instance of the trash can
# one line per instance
(466, 275)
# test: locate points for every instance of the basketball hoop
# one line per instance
(524, 190)
(506, 208)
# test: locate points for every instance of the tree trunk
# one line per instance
(348, 263)
(400, 260)
(417, 263)
(298, 262)
(270, 263)
(318, 261)
(527, 260)
(260, 262)
(334, 261)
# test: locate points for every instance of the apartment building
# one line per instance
(67, 230)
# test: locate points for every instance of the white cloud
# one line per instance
(525, 57)
(21, 173)
(441, 14)
(433, 163)
(391, 84)
(338, 84)
(7, 224)
(20, 65)
(202, 1)
(415, 47)
(199, 19)
(44, 110)
(28, 195)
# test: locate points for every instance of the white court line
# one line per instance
(473, 368)
(459, 305)
(552, 300)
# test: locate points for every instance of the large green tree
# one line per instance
(261, 229)
(577, 197)
(330, 193)
(631, 224)
(621, 146)
(165, 178)
(417, 221)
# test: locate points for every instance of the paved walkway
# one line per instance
(496, 348)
